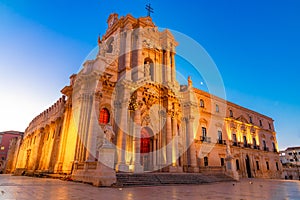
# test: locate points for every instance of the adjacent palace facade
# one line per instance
(125, 112)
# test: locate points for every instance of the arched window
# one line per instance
(220, 138)
(230, 113)
(217, 108)
(201, 103)
(260, 123)
(104, 116)
(264, 145)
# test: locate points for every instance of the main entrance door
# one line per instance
(146, 148)
(248, 168)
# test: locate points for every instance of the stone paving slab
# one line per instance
(21, 187)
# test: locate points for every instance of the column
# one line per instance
(92, 133)
(140, 60)
(173, 72)
(82, 126)
(39, 148)
(154, 152)
(128, 55)
(192, 150)
(169, 139)
(121, 139)
(166, 66)
(175, 143)
(137, 142)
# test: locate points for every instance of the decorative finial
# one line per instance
(149, 9)
(99, 40)
(190, 82)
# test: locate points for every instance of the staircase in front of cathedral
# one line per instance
(154, 179)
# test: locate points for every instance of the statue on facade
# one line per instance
(228, 152)
(147, 69)
(109, 134)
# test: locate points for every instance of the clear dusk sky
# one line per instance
(254, 43)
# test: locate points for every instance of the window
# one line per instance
(205, 161)
(230, 113)
(267, 163)
(222, 162)
(270, 126)
(3, 158)
(260, 123)
(237, 164)
(2, 147)
(220, 136)
(204, 132)
(264, 145)
(257, 165)
(201, 103)
(104, 116)
(254, 142)
(1, 138)
(291, 160)
(277, 167)
(217, 108)
(234, 139)
(290, 153)
(245, 141)
(250, 119)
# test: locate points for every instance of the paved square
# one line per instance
(21, 187)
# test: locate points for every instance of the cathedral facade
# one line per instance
(126, 112)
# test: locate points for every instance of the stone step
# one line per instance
(129, 179)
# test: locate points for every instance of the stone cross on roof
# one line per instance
(149, 9)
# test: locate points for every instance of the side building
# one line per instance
(126, 112)
(250, 135)
(5, 138)
(290, 159)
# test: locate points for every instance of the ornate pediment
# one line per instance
(242, 119)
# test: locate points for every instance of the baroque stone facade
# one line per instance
(125, 112)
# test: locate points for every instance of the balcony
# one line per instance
(205, 139)
(256, 147)
(235, 144)
(266, 149)
(221, 142)
(246, 145)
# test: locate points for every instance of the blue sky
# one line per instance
(255, 45)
